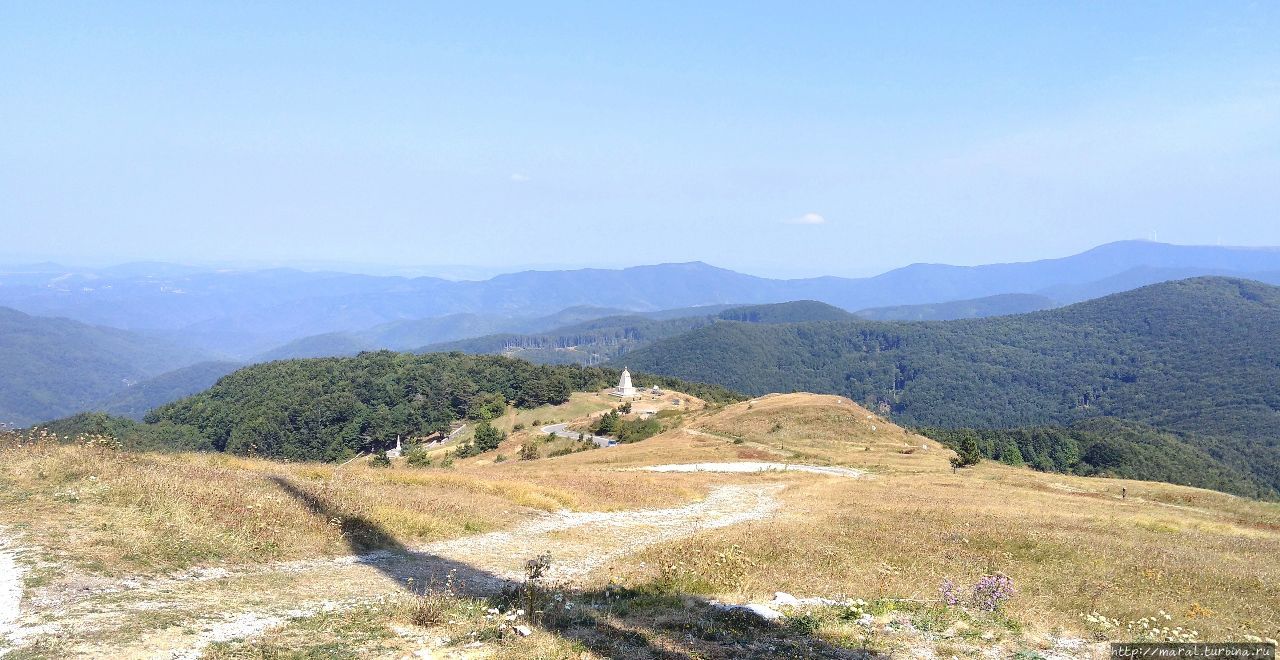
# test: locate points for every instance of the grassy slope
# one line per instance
(1071, 544)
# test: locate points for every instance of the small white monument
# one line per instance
(625, 388)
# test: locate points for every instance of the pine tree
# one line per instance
(967, 452)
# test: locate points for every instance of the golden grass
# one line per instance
(112, 512)
(826, 430)
(148, 512)
(1071, 544)
(1070, 552)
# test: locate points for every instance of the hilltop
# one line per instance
(232, 556)
(332, 409)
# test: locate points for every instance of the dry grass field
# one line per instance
(638, 559)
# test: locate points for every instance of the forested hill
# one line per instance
(1000, 305)
(603, 339)
(799, 311)
(169, 386)
(331, 408)
(1106, 446)
(1197, 355)
(52, 366)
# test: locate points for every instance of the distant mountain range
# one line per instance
(412, 334)
(244, 314)
(199, 323)
(1169, 381)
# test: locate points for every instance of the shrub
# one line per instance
(418, 458)
(607, 424)
(563, 451)
(487, 438)
(637, 430)
(380, 460)
(529, 452)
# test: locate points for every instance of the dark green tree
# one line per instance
(967, 452)
(487, 437)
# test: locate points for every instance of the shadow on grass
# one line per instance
(626, 623)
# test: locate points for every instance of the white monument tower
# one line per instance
(624, 388)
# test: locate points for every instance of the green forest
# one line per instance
(329, 409)
(603, 339)
(1196, 356)
(1110, 447)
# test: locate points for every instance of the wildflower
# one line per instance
(991, 591)
(948, 590)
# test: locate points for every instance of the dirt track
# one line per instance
(177, 616)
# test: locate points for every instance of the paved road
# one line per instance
(563, 431)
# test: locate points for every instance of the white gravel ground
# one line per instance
(755, 466)
(10, 587)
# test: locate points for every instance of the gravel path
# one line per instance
(210, 605)
(755, 466)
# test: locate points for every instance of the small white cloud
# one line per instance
(807, 219)
(519, 178)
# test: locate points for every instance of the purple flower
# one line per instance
(991, 591)
(948, 590)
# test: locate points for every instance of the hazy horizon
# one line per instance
(475, 272)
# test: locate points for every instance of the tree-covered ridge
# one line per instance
(51, 367)
(1197, 356)
(1110, 447)
(593, 342)
(998, 305)
(331, 408)
(600, 340)
(798, 311)
(140, 398)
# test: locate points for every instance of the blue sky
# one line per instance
(775, 138)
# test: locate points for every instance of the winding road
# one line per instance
(563, 431)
